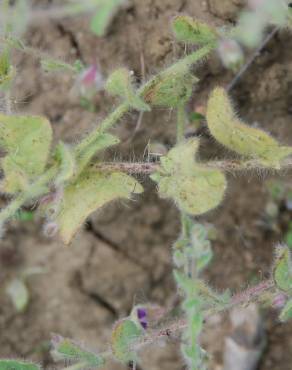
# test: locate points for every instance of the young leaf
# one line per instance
(189, 30)
(27, 141)
(101, 19)
(247, 141)
(286, 313)
(120, 83)
(283, 269)
(124, 335)
(66, 349)
(194, 187)
(19, 294)
(91, 191)
(171, 88)
(17, 365)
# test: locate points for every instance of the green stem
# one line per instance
(181, 122)
(35, 190)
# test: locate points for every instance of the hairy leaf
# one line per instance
(120, 83)
(17, 365)
(66, 349)
(27, 141)
(195, 188)
(247, 141)
(85, 152)
(91, 191)
(171, 88)
(283, 269)
(125, 333)
(189, 30)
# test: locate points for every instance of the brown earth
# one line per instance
(123, 255)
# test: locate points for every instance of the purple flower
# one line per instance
(142, 317)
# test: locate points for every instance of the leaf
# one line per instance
(101, 19)
(189, 30)
(247, 141)
(120, 83)
(19, 294)
(27, 141)
(91, 191)
(124, 335)
(171, 88)
(66, 349)
(85, 152)
(53, 65)
(17, 365)
(286, 313)
(195, 188)
(283, 269)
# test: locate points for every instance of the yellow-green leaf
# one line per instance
(26, 141)
(195, 188)
(189, 30)
(120, 83)
(124, 335)
(235, 135)
(91, 191)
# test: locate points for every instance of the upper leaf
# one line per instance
(247, 141)
(89, 192)
(194, 187)
(120, 83)
(27, 141)
(171, 88)
(189, 30)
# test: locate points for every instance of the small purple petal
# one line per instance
(144, 324)
(141, 313)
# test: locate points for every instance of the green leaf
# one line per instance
(66, 349)
(189, 30)
(124, 335)
(19, 294)
(247, 141)
(27, 141)
(17, 365)
(52, 65)
(120, 83)
(91, 191)
(283, 269)
(106, 9)
(286, 313)
(195, 188)
(171, 88)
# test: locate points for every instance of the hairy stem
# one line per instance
(245, 297)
